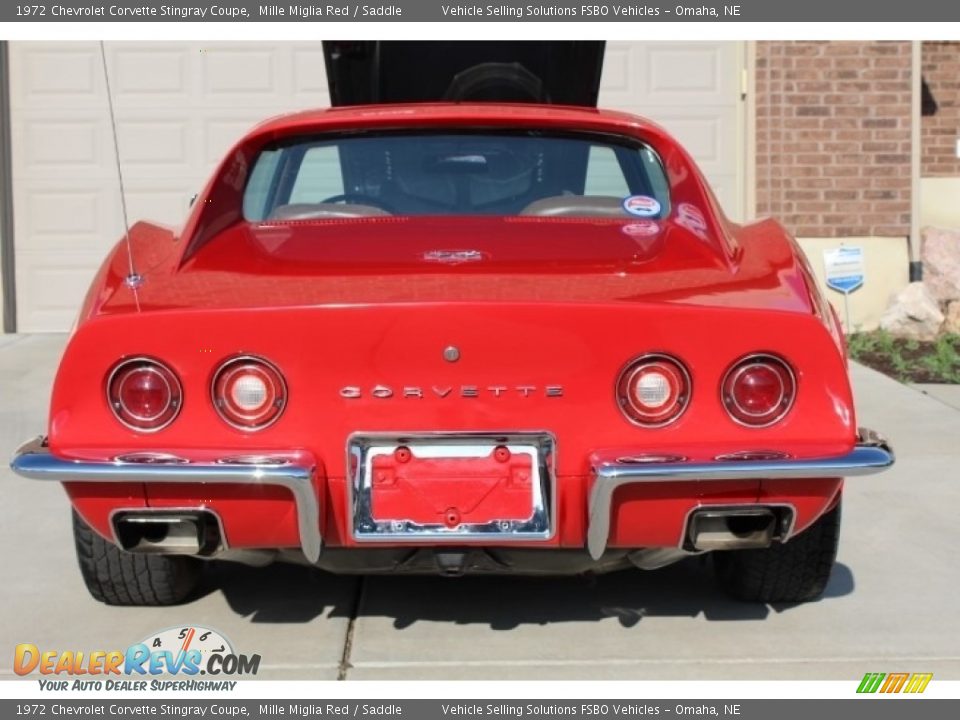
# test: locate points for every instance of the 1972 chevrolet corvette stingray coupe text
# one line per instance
(455, 338)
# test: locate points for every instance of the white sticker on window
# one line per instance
(641, 206)
(644, 228)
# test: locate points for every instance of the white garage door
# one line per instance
(180, 105)
(693, 89)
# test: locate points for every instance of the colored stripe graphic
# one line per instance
(871, 682)
(918, 682)
(894, 682)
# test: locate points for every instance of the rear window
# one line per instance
(475, 173)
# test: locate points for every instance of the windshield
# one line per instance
(469, 173)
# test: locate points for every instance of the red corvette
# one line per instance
(453, 338)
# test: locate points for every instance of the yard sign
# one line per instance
(843, 267)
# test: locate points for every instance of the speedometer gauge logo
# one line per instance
(185, 639)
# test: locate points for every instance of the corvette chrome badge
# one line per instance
(453, 257)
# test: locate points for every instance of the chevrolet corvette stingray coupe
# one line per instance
(455, 338)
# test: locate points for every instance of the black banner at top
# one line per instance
(824, 11)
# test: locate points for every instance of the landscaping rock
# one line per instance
(952, 323)
(940, 252)
(913, 314)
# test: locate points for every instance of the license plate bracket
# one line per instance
(451, 488)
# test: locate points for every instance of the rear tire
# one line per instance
(116, 577)
(795, 571)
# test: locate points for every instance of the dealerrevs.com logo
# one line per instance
(178, 651)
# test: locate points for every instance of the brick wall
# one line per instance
(833, 137)
(941, 71)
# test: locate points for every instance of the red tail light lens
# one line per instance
(144, 394)
(759, 390)
(653, 390)
(249, 393)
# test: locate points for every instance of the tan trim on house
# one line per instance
(750, 133)
(938, 202)
(916, 76)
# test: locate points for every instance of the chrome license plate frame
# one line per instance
(363, 447)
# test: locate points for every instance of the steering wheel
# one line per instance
(358, 199)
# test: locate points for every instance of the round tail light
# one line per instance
(653, 390)
(758, 390)
(144, 394)
(249, 393)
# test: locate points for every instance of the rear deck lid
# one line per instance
(556, 72)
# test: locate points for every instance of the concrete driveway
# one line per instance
(890, 606)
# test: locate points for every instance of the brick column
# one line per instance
(939, 131)
(833, 137)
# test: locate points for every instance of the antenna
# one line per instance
(134, 279)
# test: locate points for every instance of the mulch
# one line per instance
(907, 364)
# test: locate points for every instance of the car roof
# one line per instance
(424, 116)
(453, 113)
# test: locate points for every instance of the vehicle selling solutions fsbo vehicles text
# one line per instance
(587, 10)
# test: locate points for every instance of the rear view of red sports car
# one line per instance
(455, 338)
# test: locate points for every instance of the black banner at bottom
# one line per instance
(872, 707)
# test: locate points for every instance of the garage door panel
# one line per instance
(52, 73)
(159, 143)
(51, 145)
(249, 72)
(680, 73)
(146, 143)
(684, 71)
(63, 213)
(59, 286)
(140, 73)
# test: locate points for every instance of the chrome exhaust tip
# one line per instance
(166, 533)
(736, 528)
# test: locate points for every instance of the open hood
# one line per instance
(557, 72)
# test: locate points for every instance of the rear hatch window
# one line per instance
(469, 173)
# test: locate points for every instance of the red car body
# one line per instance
(543, 314)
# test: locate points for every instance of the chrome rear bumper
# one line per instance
(871, 454)
(34, 460)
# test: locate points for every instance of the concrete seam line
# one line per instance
(345, 664)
